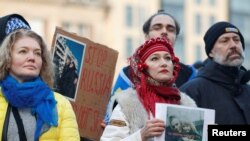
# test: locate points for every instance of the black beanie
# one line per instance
(21, 23)
(216, 30)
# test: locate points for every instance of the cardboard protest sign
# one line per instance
(84, 74)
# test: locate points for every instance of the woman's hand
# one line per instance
(103, 124)
(153, 128)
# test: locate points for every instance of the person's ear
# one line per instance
(211, 55)
(146, 36)
(8, 67)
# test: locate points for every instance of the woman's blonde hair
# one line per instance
(47, 70)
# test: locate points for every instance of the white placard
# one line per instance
(184, 123)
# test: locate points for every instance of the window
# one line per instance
(179, 49)
(198, 53)
(142, 16)
(129, 16)
(66, 25)
(212, 2)
(129, 47)
(81, 29)
(211, 20)
(247, 56)
(198, 24)
(198, 2)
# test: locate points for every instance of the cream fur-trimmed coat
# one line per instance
(129, 110)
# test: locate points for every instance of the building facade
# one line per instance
(118, 23)
(240, 15)
(196, 16)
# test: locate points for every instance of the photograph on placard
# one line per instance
(68, 59)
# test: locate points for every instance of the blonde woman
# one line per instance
(30, 110)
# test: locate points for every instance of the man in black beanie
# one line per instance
(216, 31)
(10, 23)
(218, 84)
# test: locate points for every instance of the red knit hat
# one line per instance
(146, 51)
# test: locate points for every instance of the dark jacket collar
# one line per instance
(221, 74)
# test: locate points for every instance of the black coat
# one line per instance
(186, 73)
(66, 82)
(219, 87)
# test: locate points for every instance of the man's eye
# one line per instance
(237, 39)
(171, 29)
(156, 27)
(224, 40)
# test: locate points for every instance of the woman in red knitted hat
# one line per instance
(154, 69)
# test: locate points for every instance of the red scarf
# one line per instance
(149, 95)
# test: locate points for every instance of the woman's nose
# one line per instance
(163, 63)
(31, 56)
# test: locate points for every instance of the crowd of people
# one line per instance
(163, 25)
(31, 110)
(220, 82)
